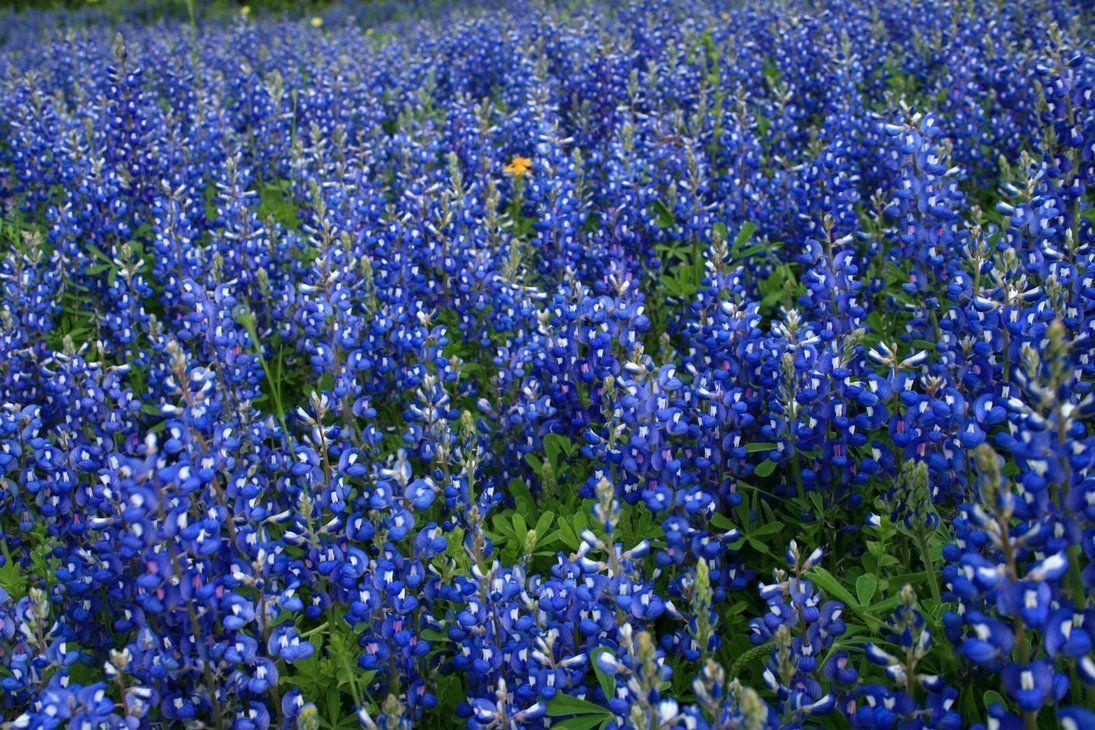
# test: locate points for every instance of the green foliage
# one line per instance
(330, 677)
(579, 714)
(781, 288)
(519, 541)
(12, 578)
(277, 203)
(18, 576)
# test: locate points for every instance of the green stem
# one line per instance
(796, 469)
(314, 630)
(248, 322)
(929, 566)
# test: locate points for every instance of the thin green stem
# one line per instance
(929, 565)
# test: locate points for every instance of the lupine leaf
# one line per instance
(564, 705)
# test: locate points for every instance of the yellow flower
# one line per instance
(245, 10)
(317, 21)
(518, 166)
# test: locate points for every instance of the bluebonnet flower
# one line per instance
(1007, 594)
(801, 628)
(881, 706)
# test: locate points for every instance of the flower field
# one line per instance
(673, 364)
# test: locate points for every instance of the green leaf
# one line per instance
(554, 444)
(747, 230)
(543, 525)
(608, 683)
(433, 635)
(769, 528)
(12, 580)
(781, 286)
(522, 497)
(334, 703)
(663, 216)
(817, 501)
(677, 251)
(722, 522)
(581, 722)
(759, 546)
(992, 697)
(883, 607)
(760, 446)
(758, 248)
(581, 521)
(865, 587)
(502, 526)
(450, 693)
(832, 586)
(562, 705)
(568, 535)
(550, 539)
(765, 468)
